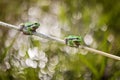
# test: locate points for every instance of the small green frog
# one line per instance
(73, 41)
(29, 27)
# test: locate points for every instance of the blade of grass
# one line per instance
(8, 48)
(89, 65)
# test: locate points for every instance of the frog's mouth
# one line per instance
(77, 42)
(34, 28)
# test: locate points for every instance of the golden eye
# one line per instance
(35, 23)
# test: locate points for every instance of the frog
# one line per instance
(73, 41)
(29, 27)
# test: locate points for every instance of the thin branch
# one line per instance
(100, 52)
(9, 25)
(48, 37)
(62, 41)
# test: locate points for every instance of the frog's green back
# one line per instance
(31, 23)
(73, 36)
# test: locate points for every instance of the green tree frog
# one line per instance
(29, 27)
(73, 41)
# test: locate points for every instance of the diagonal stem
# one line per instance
(61, 41)
(100, 52)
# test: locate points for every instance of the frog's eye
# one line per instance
(37, 24)
(76, 38)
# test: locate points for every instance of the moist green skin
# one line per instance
(29, 27)
(73, 41)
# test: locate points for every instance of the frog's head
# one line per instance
(36, 25)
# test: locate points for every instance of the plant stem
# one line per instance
(62, 41)
(9, 25)
(100, 52)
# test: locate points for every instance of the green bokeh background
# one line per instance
(99, 19)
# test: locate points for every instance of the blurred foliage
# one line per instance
(97, 18)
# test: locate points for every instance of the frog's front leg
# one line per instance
(27, 31)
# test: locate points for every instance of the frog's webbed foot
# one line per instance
(21, 26)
